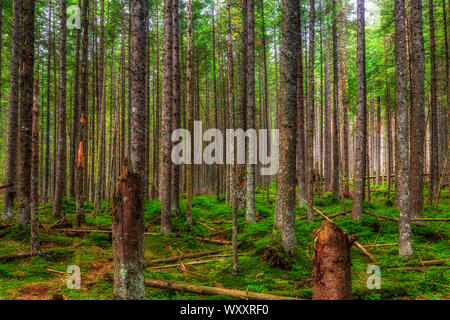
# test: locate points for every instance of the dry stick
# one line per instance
(206, 226)
(367, 253)
(169, 266)
(92, 230)
(187, 256)
(245, 295)
(438, 195)
(392, 219)
(6, 186)
(330, 216)
(381, 244)
(23, 255)
(213, 240)
(413, 268)
(58, 272)
(430, 219)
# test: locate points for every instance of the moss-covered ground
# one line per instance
(35, 278)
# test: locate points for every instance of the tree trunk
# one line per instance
(389, 129)
(301, 174)
(189, 114)
(34, 237)
(26, 112)
(402, 135)
(11, 167)
(345, 127)
(361, 106)
(166, 126)
(60, 183)
(335, 121)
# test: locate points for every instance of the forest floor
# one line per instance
(44, 277)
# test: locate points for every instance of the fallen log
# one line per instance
(91, 230)
(213, 240)
(381, 244)
(392, 219)
(184, 256)
(23, 255)
(367, 253)
(238, 294)
(434, 262)
(192, 263)
(412, 268)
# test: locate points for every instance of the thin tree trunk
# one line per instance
(335, 121)
(34, 237)
(361, 106)
(189, 115)
(345, 127)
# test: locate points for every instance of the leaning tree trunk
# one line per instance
(11, 166)
(361, 106)
(332, 277)
(26, 112)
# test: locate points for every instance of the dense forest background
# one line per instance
(90, 92)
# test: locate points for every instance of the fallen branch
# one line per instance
(192, 263)
(23, 255)
(206, 226)
(187, 256)
(58, 272)
(367, 253)
(411, 268)
(91, 230)
(381, 244)
(434, 262)
(430, 219)
(6, 186)
(245, 295)
(329, 216)
(392, 219)
(213, 240)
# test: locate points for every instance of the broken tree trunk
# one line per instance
(128, 235)
(332, 263)
(245, 295)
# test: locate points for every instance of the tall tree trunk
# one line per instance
(417, 138)
(34, 237)
(434, 148)
(402, 135)
(13, 123)
(301, 174)
(288, 121)
(166, 127)
(310, 116)
(389, 129)
(345, 127)
(189, 114)
(335, 121)
(26, 112)
(361, 106)
(82, 132)
(175, 192)
(129, 227)
(250, 212)
(60, 183)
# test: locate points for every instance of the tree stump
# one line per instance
(332, 263)
(128, 235)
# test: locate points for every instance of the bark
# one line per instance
(26, 112)
(128, 233)
(361, 106)
(11, 166)
(166, 126)
(234, 200)
(434, 121)
(216, 178)
(82, 132)
(345, 126)
(250, 212)
(310, 117)
(60, 183)
(175, 191)
(328, 119)
(332, 278)
(76, 114)
(388, 126)
(34, 238)
(301, 174)
(417, 138)
(189, 114)
(402, 135)
(378, 142)
(288, 122)
(335, 121)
